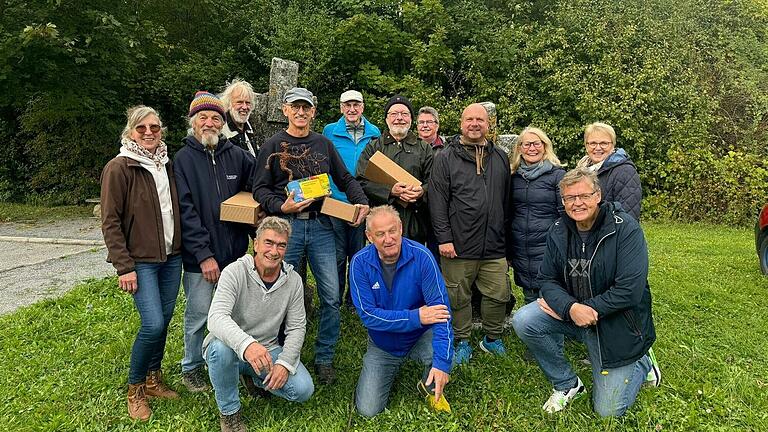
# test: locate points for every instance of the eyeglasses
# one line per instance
(155, 128)
(602, 144)
(570, 199)
(298, 107)
(396, 114)
(426, 122)
(534, 144)
(355, 105)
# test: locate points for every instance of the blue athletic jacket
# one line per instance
(204, 180)
(391, 314)
(348, 150)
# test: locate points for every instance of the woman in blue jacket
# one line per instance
(536, 204)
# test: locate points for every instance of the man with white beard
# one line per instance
(413, 155)
(208, 170)
(238, 100)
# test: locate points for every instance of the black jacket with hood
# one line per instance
(468, 209)
(613, 264)
(204, 179)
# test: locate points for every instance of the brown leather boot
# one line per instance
(138, 406)
(157, 388)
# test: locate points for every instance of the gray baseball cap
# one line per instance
(299, 94)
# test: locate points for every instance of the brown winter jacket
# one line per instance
(130, 215)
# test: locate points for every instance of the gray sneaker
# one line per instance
(196, 380)
(232, 423)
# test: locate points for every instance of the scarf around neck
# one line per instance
(159, 158)
(534, 171)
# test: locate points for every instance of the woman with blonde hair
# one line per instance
(617, 174)
(142, 232)
(536, 204)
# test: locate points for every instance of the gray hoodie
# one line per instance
(244, 311)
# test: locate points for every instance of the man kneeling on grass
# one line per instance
(255, 295)
(594, 288)
(400, 296)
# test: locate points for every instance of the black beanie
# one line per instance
(397, 99)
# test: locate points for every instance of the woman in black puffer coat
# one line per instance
(617, 174)
(536, 204)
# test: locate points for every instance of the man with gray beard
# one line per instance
(238, 99)
(413, 155)
(208, 170)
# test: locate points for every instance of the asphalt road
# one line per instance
(34, 267)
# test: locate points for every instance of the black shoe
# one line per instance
(325, 373)
(196, 380)
(253, 390)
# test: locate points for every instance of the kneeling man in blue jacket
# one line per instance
(594, 289)
(400, 295)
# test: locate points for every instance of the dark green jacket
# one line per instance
(414, 156)
(618, 282)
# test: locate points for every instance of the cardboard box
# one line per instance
(340, 209)
(316, 186)
(240, 207)
(382, 169)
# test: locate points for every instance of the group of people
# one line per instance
(573, 240)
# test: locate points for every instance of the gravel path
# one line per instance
(30, 272)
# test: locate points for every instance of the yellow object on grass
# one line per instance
(440, 405)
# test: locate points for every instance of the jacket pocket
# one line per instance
(457, 295)
(629, 316)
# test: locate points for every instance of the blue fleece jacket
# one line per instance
(204, 179)
(348, 150)
(391, 314)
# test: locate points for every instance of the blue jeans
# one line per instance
(614, 390)
(349, 240)
(199, 294)
(155, 300)
(225, 368)
(379, 371)
(314, 238)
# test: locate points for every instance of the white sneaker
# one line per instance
(561, 398)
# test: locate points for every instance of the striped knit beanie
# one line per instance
(206, 101)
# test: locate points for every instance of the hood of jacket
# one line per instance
(618, 157)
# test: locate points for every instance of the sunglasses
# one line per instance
(155, 128)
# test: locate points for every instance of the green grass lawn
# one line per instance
(14, 212)
(64, 363)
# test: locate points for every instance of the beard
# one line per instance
(210, 140)
(399, 131)
(237, 117)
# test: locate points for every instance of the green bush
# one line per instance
(682, 81)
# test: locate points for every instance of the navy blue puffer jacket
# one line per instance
(620, 182)
(535, 205)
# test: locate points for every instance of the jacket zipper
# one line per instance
(215, 174)
(527, 226)
(589, 284)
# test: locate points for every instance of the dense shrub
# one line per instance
(685, 82)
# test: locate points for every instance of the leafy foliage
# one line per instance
(684, 82)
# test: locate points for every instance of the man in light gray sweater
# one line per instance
(254, 296)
